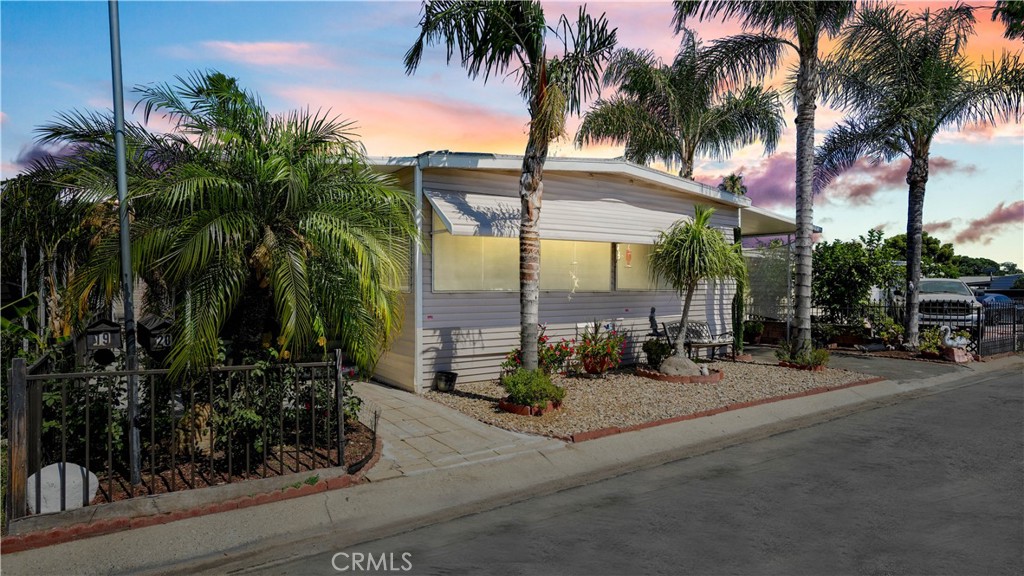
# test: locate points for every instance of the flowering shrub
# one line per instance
(550, 357)
(600, 350)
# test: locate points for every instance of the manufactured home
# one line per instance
(599, 219)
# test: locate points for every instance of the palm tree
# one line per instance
(733, 184)
(1011, 14)
(502, 38)
(686, 254)
(268, 227)
(904, 77)
(670, 113)
(796, 24)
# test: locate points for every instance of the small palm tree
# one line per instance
(904, 77)
(499, 38)
(685, 255)
(772, 28)
(671, 113)
(733, 184)
(268, 227)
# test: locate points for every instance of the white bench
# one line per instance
(698, 335)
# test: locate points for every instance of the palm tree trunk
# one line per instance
(681, 338)
(678, 364)
(531, 192)
(807, 94)
(917, 177)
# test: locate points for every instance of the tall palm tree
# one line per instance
(670, 113)
(904, 77)
(796, 24)
(267, 226)
(686, 254)
(502, 38)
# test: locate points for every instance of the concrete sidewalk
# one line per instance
(422, 436)
(428, 476)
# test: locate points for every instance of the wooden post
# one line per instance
(17, 449)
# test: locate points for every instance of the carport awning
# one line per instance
(760, 222)
(597, 220)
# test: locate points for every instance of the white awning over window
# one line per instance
(596, 220)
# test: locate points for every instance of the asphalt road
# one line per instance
(934, 485)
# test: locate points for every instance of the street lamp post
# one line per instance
(127, 285)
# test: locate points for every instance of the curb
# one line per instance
(39, 539)
(603, 432)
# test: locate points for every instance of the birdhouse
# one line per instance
(155, 334)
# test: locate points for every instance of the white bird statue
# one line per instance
(951, 342)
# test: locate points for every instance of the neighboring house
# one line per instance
(598, 221)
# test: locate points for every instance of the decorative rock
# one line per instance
(50, 480)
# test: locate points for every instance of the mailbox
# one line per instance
(98, 342)
(155, 334)
(102, 335)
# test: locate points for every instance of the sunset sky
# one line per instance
(347, 57)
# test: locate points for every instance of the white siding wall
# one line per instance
(471, 332)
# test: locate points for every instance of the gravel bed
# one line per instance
(623, 399)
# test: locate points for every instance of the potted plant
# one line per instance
(752, 331)
(600, 350)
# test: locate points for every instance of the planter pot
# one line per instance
(444, 381)
(802, 367)
(597, 365)
(744, 358)
(713, 377)
(525, 410)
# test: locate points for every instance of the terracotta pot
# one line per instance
(596, 365)
(524, 410)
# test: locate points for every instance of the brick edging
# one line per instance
(602, 432)
(30, 540)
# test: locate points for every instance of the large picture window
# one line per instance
(632, 268)
(474, 263)
(485, 264)
(572, 266)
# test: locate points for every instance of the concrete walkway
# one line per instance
(421, 436)
(439, 465)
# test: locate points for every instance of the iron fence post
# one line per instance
(17, 449)
(339, 392)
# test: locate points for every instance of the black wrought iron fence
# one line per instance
(991, 329)
(225, 425)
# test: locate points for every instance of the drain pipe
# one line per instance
(417, 273)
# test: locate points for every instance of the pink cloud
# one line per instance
(280, 54)
(10, 170)
(3, 117)
(860, 184)
(772, 183)
(395, 124)
(940, 226)
(982, 229)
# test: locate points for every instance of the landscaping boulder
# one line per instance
(679, 365)
(50, 479)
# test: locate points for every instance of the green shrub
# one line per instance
(531, 388)
(795, 353)
(656, 350)
(752, 329)
(930, 340)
